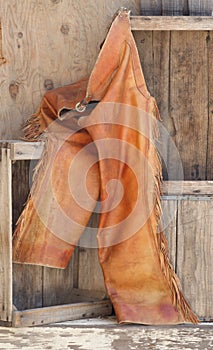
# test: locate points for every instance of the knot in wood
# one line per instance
(65, 29)
(48, 84)
(14, 89)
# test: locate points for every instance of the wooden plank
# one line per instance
(57, 285)
(27, 286)
(200, 188)
(2, 58)
(181, 23)
(200, 7)
(209, 162)
(26, 150)
(61, 313)
(151, 7)
(195, 255)
(172, 8)
(161, 48)
(27, 279)
(189, 101)
(144, 42)
(5, 235)
(90, 275)
(169, 221)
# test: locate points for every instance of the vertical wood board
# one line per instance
(151, 7)
(209, 155)
(200, 7)
(169, 220)
(173, 8)
(195, 254)
(5, 235)
(90, 275)
(189, 100)
(57, 285)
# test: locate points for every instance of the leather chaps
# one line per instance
(100, 155)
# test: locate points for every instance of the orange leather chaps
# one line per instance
(102, 149)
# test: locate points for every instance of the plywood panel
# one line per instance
(189, 100)
(195, 254)
(47, 44)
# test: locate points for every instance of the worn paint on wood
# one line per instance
(105, 334)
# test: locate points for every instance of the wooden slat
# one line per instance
(171, 23)
(172, 8)
(57, 285)
(5, 235)
(169, 221)
(199, 188)
(151, 8)
(61, 313)
(200, 7)
(26, 150)
(161, 66)
(195, 254)
(189, 102)
(27, 279)
(27, 286)
(90, 275)
(209, 165)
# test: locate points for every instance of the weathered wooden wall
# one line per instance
(176, 7)
(52, 43)
(43, 45)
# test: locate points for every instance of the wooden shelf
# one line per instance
(171, 23)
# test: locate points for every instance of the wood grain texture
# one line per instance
(200, 7)
(57, 285)
(169, 221)
(189, 100)
(27, 286)
(151, 7)
(47, 45)
(61, 313)
(209, 155)
(176, 23)
(27, 280)
(5, 235)
(173, 8)
(195, 254)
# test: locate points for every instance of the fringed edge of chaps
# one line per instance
(178, 299)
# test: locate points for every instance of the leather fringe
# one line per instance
(178, 299)
(32, 127)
